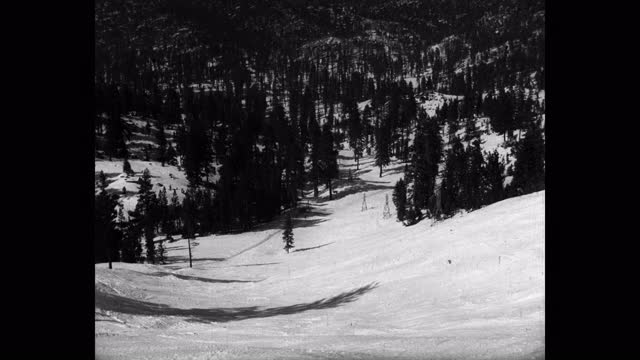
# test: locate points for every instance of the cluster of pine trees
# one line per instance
(468, 177)
(131, 236)
(252, 108)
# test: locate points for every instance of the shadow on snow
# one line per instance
(121, 304)
(197, 278)
(315, 247)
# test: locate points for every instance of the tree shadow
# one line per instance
(357, 166)
(180, 247)
(197, 278)
(362, 172)
(394, 170)
(358, 186)
(124, 305)
(342, 157)
(177, 259)
(315, 247)
(264, 264)
(299, 216)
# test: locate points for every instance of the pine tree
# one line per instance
(174, 213)
(427, 152)
(128, 247)
(147, 152)
(162, 143)
(473, 190)
(163, 213)
(382, 157)
(171, 155)
(454, 175)
(328, 163)
(355, 131)
(116, 128)
(413, 215)
(400, 199)
(126, 167)
(494, 178)
(106, 234)
(287, 235)
(142, 218)
(161, 252)
(529, 167)
(315, 133)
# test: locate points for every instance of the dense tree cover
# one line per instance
(253, 99)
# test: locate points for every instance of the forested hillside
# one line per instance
(247, 103)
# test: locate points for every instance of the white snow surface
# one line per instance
(356, 286)
(161, 176)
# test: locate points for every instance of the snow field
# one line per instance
(355, 286)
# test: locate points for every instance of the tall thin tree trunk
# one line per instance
(189, 242)
(109, 256)
(106, 241)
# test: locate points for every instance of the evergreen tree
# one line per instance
(427, 151)
(147, 152)
(107, 236)
(287, 235)
(454, 175)
(400, 199)
(174, 214)
(131, 249)
(163, 213)
(126, 168)
(328, 163)
(162, 143)
(494, 178)
(142, 218)
(315, 134)
(196, 154)
(171, 155)
(161, 252)
(382, 157)
(116, 128)
(413, 215)
(473, 181)
(355, 131)
(529, 167)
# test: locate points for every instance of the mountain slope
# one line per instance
(355, 286)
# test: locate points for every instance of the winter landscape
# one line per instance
(319, 179)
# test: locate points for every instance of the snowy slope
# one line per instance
(166, 176)
(355, 286)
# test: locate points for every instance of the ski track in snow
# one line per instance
(356, 286)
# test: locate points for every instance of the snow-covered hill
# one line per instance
(355, 286)
(169, 177)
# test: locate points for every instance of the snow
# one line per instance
(161, 176)
(435, 100)
(362, 105)
(138, 122)
(355, 285)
